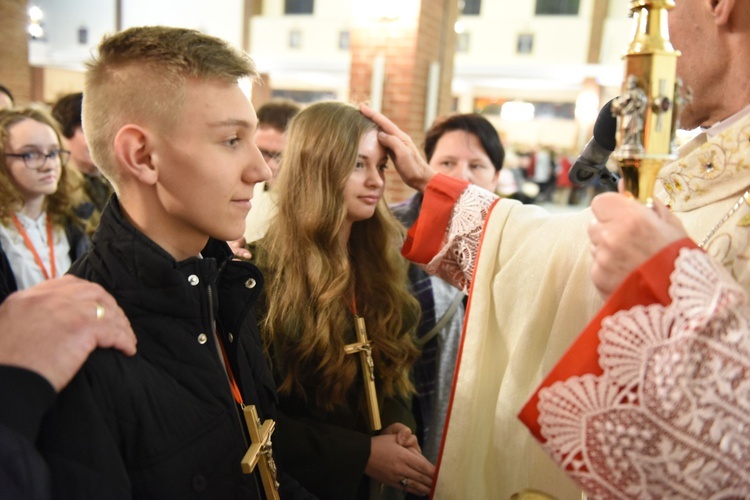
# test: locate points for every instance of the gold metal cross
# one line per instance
(260, 451)
(364, 348)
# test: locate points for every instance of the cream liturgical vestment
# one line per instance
(530, 297)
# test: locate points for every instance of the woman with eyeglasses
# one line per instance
(39, 231)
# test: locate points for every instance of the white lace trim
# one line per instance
(456, 259)
(670, 415)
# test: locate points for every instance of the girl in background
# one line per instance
(39, 232)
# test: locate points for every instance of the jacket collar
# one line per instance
(147, 276)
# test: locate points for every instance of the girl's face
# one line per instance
(460, 154)
(366, 183)
(31, 136)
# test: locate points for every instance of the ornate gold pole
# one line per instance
(645, 110)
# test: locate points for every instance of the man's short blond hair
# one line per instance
(139, 77)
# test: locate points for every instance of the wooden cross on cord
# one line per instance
(364, 348)
(260, 451)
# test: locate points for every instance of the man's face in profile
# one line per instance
(271, 143)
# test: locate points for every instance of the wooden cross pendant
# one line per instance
(260, 451)
(364, 348)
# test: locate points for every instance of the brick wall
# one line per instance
(14, 55)
(408, 49)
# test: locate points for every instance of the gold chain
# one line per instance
(744, 199)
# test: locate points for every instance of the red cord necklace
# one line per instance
(32, 249)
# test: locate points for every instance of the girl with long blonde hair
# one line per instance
(332, 253)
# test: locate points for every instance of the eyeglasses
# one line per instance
(271, 155)
(36, 159)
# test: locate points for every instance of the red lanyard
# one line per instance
(232, 382)
(31, 247)
(352, 305)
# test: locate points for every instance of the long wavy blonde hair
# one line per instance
(312, 276)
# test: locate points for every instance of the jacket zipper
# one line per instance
(215, 327)
(237, 409)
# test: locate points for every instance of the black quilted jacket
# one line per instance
(163, 424)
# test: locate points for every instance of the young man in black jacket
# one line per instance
(171, 129)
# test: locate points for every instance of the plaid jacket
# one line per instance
(424, 370)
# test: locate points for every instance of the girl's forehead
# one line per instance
(31, 131)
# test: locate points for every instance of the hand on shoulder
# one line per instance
(51, 328)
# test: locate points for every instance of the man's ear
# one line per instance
(722, 11)
(133, 146)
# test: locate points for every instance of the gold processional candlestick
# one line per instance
(648, 107)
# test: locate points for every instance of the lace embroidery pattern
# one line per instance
(670, 415)
(456, 259)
